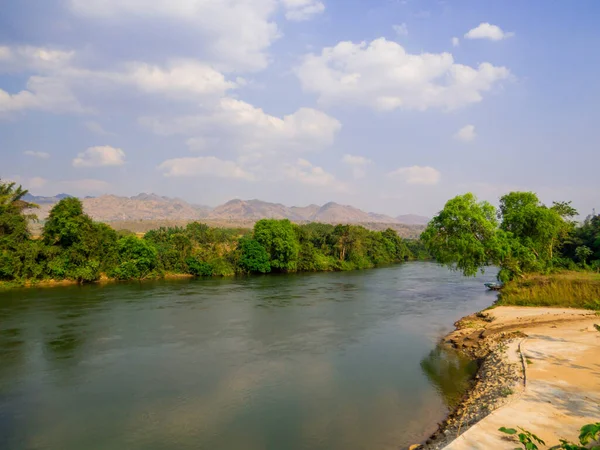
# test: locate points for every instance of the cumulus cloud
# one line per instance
(101, 156)
(41, 94)
(203, 166)
(40, 155)
(417, 175)
(19, 58)
(488, 31)
(299, 10)
(383, 76)
(358, 164)
(401, 30)
(466, 133)
(56, 87)
(238, 33)
(455, 42)
(185, 77)
(247, 128)
(304, 172)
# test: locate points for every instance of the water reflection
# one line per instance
(336, 361)
(450, 372)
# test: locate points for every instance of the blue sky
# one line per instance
(392, 106)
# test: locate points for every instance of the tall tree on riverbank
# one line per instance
(467, 234)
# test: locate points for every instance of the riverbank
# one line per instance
(540, 370)
(6, 285)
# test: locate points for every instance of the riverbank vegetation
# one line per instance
(74, 247)
(545, 257)
(565, 289)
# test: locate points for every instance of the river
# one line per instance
(325, 361)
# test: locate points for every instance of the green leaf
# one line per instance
(508, 430)
(589, 433)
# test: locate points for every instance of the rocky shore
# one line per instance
(495, 338)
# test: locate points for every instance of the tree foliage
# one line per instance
(522, 236)
(74, 247)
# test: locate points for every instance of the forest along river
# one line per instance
(321, 361)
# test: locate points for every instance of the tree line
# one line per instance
(521, 236)
(74, 247)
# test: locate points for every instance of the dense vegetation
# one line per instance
(522, 237)
(74, 247)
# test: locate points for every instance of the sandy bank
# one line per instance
(553, 388)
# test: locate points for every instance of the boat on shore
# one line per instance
(494, 286)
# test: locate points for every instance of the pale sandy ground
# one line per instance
(562, 390)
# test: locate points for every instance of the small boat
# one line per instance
(494, 286)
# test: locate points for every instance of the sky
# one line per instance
(392, 106)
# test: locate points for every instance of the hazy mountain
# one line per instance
(39, 200)
(413, 219)
(252, 210)
(152, 207)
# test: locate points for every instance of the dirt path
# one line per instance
(562, 388)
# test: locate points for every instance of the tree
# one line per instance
(537, 227)
(279, 239)
(583, 253)
(138, 259)
(464, 235)
(67, 224)
(254, 258)
(13, 220)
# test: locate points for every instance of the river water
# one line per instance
(325, 361)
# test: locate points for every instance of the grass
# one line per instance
(564, 289)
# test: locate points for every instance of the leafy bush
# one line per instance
(200, 268)
(529, 441)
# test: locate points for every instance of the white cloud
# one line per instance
(466, 133)
(249, 129)
(304, 172)
(237, 32)
(101, 156)
(42, 94)
(488, 31)
(401, 30)
(184, 78)
(40, 155)
(455, 42)
(358, 164)
(21, 58)
(299, 10)
(203, 166)
(384, 76)
(417, 175)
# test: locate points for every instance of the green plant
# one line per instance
(587, 434)
(526, 438)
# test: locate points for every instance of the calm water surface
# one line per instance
(326, 361)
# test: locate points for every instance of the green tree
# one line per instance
(464, 235)
(583, 253)
(536, 227)
(138, 259)
(13, 220)
(67, 224)
(253, 256)
(279, 239)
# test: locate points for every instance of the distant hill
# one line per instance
(39, 200)
(112, 208)
(154, 210)
(413, 219)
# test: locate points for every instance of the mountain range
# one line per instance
(143, 207)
